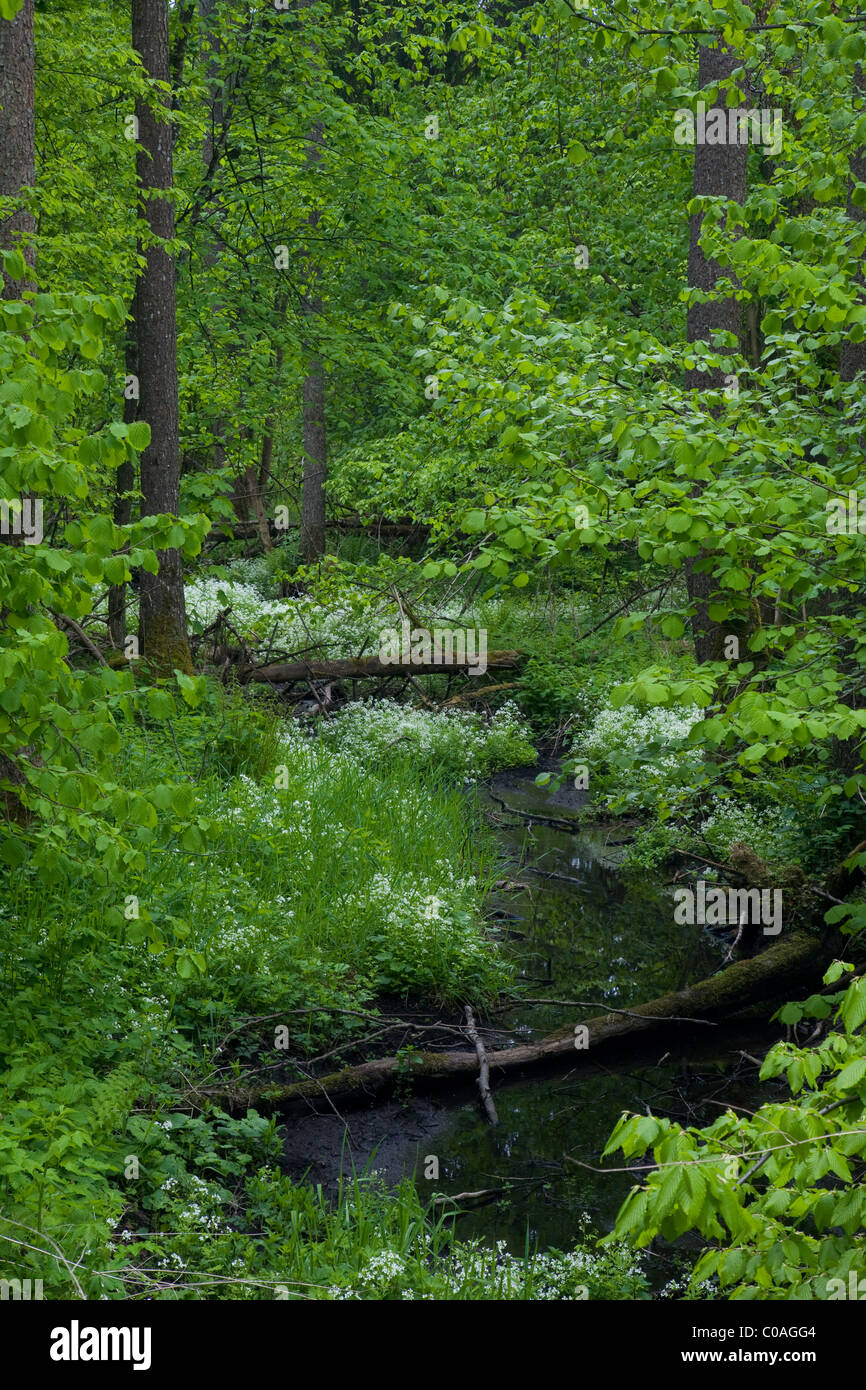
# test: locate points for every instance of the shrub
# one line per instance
(458, 743)
(633, 756)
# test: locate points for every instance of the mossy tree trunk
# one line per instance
(162, 628)
(720, 171)
(17, 136)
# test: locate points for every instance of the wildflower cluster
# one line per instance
(460, 743)
(771, 831)
(286, 624)
(426, 932)
(324, 872)
(470, 1271)
(623, 743)
(195, 1205)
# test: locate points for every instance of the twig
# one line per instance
(594, 1004)
(713, 863)
(549, 873)
(736, 941)
(483, 1069)
(82, 637)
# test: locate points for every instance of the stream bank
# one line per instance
(588, 931)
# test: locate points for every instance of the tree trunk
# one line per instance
(267, 454)
(17, 136)
(853, 359)
(162, 628)
(315, 438)
(212, 51)
(124, 486)
(256, 502)
(770, 975)
(720, 171)
(315, 461)
(17, 173)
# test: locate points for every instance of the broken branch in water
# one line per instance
(483, 1069)
(556, 822)
(483, 1193)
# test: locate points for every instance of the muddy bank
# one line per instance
(446, 1146)
(390, 1139)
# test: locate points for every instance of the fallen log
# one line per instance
(360, 667)
(407, 527)
(781, 967)
(251, 530)
(478, 694)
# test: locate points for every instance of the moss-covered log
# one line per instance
(364, 666)
(783, 967)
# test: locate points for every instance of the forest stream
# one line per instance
(596, 933)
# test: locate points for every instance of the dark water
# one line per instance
(595, 933)
(609, 939)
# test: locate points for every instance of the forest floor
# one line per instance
(343, 879)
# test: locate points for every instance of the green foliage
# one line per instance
(493, 223)
(777, 1195)
(52, 462)
(367, 1244)
(411, 474)
(150, 973)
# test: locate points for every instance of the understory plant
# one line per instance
(779, 1194)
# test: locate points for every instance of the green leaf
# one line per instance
(192, 688)
(14, 264)
(160, 704)
(13, 851)
(853, 1007)
(184, 965)
(138, 435)
(851, 1075)
(183, 800)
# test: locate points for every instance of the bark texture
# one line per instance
(720, 171)
(313, 515)
(17, 136)
(162, 631)
(124, 486)
(371, 666)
